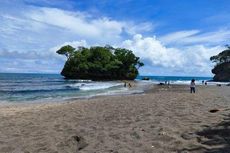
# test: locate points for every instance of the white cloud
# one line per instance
(133, 28)
(193, 60)
(74, 22)
(219, 36)
(27, 62)
(151, 49)
(85, 25)
(50, 26)
(78, 23)
(177, 36)
(196, 37)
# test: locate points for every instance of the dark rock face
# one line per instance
(222, 72)
(97, 76)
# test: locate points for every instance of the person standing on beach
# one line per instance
(192, 86)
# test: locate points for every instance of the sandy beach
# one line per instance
(162, 120)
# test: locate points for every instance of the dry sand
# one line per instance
(163, 120)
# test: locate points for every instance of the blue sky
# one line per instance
(172, 37)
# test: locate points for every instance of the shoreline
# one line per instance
(162, 120)
(56, 89)
(134, 89)
(146, 88)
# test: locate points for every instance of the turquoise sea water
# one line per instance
(18, 88)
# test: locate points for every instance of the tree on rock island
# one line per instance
(222, 67)
(100, 63)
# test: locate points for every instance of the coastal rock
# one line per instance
(145, 78)
(100, 63)
(222, 72)
(222, 67)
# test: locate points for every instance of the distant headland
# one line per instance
(222, 67)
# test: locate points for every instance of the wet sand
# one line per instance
(163, 120)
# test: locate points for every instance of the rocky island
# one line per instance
(99, 63)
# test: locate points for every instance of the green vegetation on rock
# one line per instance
(222, 67)
(99, 63)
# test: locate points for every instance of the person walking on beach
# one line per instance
(125, 84)
(130, 85)
(192, 86)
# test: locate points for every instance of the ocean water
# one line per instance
(52, 87)
(176, 79)
(20, 88)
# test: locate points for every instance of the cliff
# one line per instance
(222, 72)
